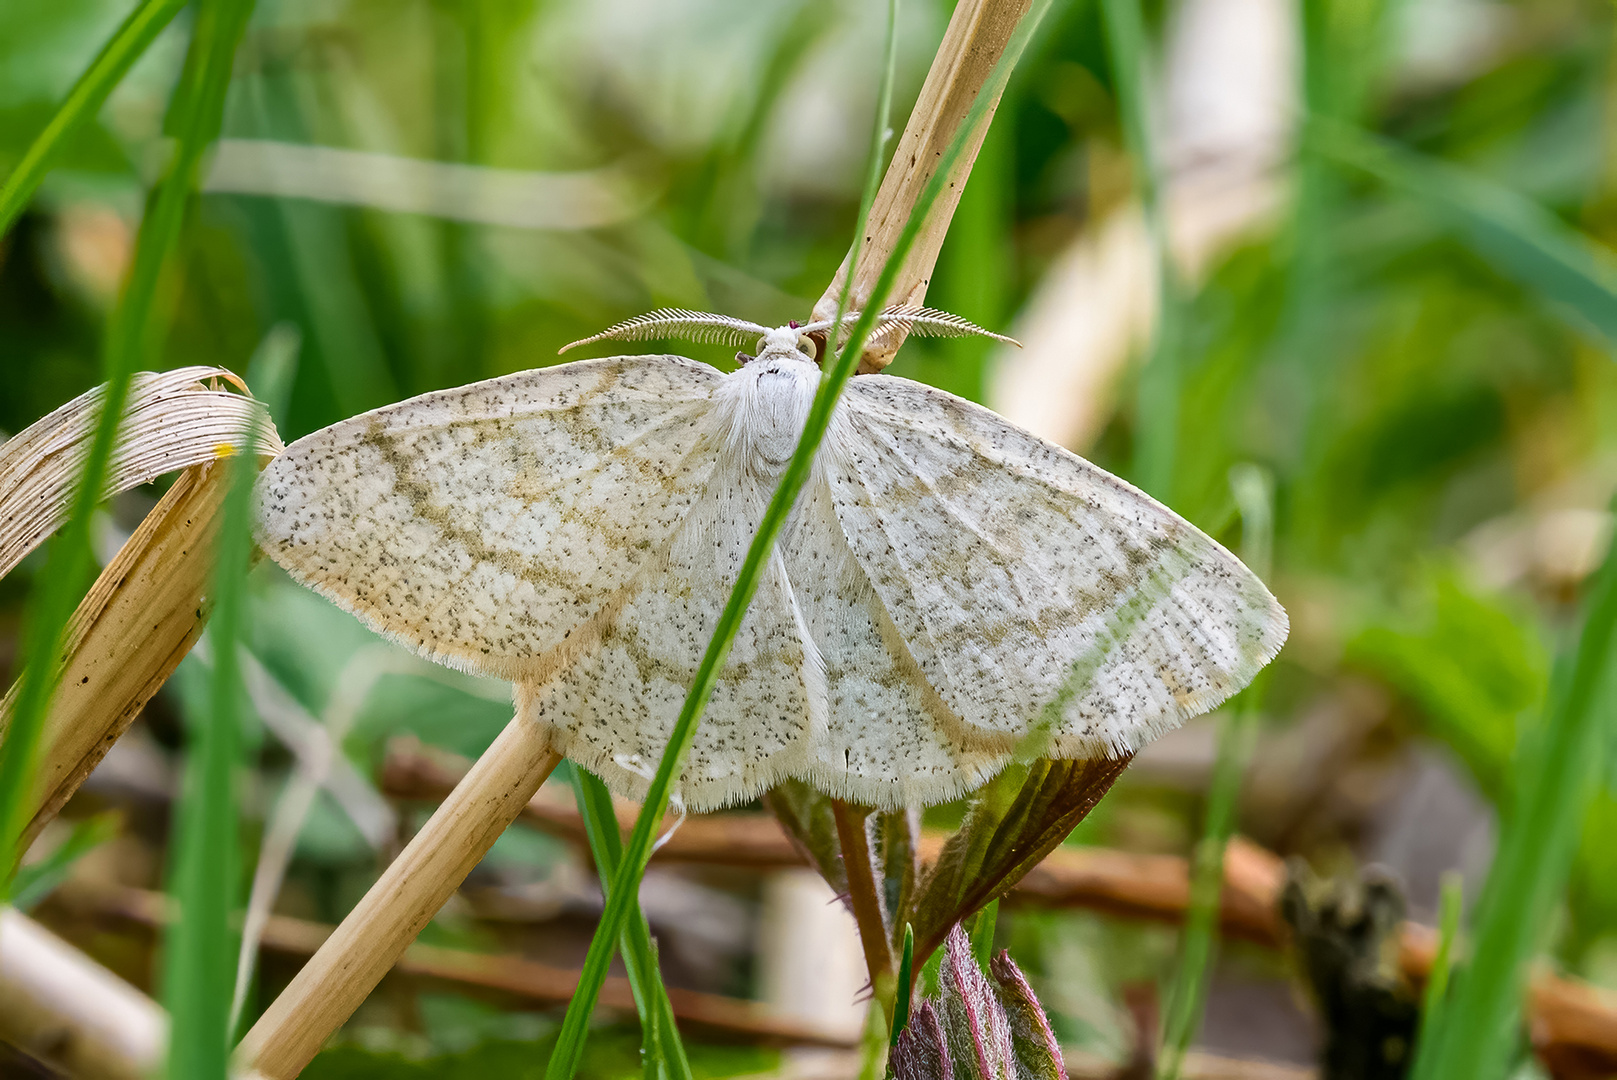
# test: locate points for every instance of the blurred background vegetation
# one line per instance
(1386, 328)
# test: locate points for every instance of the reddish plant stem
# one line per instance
(863, 891)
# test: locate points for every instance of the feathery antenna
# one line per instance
(921, 321)
(700, 326)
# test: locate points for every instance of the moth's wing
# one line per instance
(1034, 590)
(890, 740)
(613, 705)
(482, 525)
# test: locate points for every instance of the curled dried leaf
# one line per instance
(173, 420)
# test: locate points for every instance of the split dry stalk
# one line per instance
(147, 607)
(979, 31)
(404, 899)
(128, 635)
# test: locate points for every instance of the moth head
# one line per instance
(788, 341)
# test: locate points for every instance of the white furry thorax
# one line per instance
(763, 406)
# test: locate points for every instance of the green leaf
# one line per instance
(1435, 997)
(1015, 821)
(83, 102)
(1522, 240)
(906, 985)
(90, 148)
(1557, 774)
(982, 932)
(1472, 665)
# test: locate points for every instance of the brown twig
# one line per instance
(1157, 887)
(979, 31)
(411, 771)
(504, 975)
(404, 899)
(1124, 883)
(863, 891)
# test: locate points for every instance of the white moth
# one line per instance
(948, 585)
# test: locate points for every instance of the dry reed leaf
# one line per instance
(147, 607)
(978, 33)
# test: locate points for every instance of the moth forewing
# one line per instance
(487, 526)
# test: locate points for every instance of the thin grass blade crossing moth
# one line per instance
(948, 586)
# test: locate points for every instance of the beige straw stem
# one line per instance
(406, 897)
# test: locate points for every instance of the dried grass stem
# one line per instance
(404, 899)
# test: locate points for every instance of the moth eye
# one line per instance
(806, 344)
(759, 348)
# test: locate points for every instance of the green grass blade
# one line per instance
(84, 101)
(1558, 773)
(873, 168)
(38, 880)
(1435, 997)
(1252, 488)
(1198, 946)
(1157, 403)
(570, 1042)
(662, 1042)
(873, 1044)
(1521, 239)
(906, 986)
(273, 370)
(129, 338)
(199, 954)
